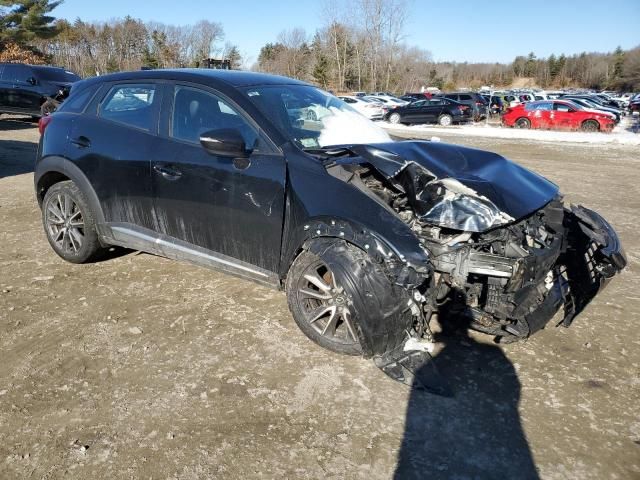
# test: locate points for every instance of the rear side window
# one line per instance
(465, 98)
(131, 105)
(77, 102)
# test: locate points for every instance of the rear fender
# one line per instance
(47, 173)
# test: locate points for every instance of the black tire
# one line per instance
(395, 118)
(48, 107)
(522, 123)
(62, 220)
(590, 126)
(445, 120)
(378, 309)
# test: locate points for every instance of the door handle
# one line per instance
(167, 172)
(81, 142)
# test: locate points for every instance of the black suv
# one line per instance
(475, 101)
(33, 90)
(367, 236)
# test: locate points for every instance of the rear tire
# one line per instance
(394, 118)
(445, 120)
(522, 123)
(590, 126)
(69, 223)
(48, 107)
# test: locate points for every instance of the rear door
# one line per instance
(433, 109)
(541, 116)
(10, 95)
(21, 92)
(112, 144)
(414, 112)
(564, 117)
(232, 207)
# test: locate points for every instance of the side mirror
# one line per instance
(32, 81)
(225, 142)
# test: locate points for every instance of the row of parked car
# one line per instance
(573, 110)
(444, 108)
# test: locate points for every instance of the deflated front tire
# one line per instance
(345, 302)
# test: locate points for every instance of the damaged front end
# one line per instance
(504, 249)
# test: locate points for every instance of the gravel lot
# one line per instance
(141, 367)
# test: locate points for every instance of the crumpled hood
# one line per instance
(514, 190)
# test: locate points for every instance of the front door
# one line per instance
(232, 207)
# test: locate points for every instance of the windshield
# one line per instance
(56, 75)
(313, 118)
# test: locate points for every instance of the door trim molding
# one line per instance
(138, 238)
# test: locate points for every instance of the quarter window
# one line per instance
(131, 105)
(196, 112)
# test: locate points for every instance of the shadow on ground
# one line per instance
(475, 434)
(17, 157)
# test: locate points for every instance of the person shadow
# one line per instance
(476, 433)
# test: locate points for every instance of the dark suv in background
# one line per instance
(474, 100)
(33, 90)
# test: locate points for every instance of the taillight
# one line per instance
(43, 123)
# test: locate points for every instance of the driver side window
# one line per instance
(196, 112)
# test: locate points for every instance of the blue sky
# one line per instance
(465, 30)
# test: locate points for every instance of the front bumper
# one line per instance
(591, 255)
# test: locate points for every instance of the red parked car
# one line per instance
(557, 115)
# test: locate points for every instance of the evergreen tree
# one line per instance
(22, 21)
(618, 62)
(530, 65)
(234, 57)
(321, 70)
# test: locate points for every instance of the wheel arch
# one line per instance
(380, 249)
(53, 169)
(587, 120)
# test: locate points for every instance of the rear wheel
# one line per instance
(590, 126)
(311, 115)
(48, 107)
(523, 123)
(394, 118)
(445, 120)
(69, 223)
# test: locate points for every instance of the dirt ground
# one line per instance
(141, 367)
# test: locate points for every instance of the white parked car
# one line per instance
(391, 102)
(370, 109)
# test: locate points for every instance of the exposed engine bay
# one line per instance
(509, 274)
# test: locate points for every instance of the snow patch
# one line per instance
(619, 135)
(345, 127)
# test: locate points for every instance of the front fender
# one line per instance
(320, 205)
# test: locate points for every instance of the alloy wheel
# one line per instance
(65, 223)
(325, 305)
